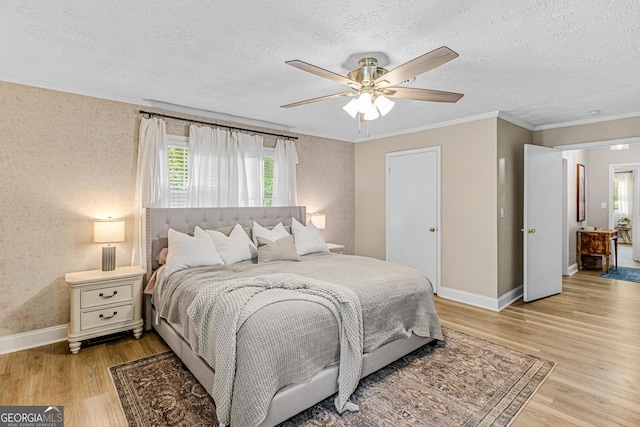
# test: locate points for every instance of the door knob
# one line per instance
(531, 230)
(432, 229)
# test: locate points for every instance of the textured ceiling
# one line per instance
(540, 61)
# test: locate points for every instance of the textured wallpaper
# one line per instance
(68, 159)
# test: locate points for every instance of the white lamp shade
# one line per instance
(351, 108)
(364, 102)
(383, 104)
(108, 231)
(372, 114)
(319, 220)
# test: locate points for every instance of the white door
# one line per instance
(413, 210)
(542, 222)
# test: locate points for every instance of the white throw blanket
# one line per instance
(220, 309)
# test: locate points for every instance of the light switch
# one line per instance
(603, 205)
(501, 212)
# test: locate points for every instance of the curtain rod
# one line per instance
(149, 113)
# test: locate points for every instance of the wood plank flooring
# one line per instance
(592, 331)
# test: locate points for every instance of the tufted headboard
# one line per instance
(159, 220)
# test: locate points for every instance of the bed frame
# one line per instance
(291, 399)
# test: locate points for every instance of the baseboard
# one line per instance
(573, 269)
(510, 297)
(33, 339)
(494, 304)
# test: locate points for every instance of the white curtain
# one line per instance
(152, 180)
(284, 174)
(625, 193)
(225, 168)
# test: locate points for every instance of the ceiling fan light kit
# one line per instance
(371, 86)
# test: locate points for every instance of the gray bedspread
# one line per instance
(395, 302)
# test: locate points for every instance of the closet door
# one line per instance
(413, 210)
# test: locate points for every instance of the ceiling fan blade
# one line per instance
(322, 98)
(416, 66)
(304, 66)
(422, 94)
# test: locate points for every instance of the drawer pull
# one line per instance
(103, 317)
(103, 296)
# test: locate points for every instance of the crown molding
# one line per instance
(588, 121)
(516, 121)
(176, 108)
(447, 123)
(167, 106)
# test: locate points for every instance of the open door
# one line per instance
(542, 222)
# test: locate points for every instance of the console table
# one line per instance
(597, 242)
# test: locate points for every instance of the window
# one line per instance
(268, 176)
(178, 156)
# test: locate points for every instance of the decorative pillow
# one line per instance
(186, 251)
(272, 234)
(308, 239)
(283, 249)
(235, 247)
(162, 256)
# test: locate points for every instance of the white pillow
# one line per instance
(234, 248)
(274, 234)
(308, 239)
(186, 251)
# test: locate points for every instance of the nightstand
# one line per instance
(104, 302)
(335, 248)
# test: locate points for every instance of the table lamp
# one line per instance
(108, 231)
(319, 220)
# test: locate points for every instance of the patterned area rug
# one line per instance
(464, 381)
(623, 273)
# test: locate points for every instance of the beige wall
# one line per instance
(67, 159)
(598, 179)
(469, 192)
(600, 131)
(575, 157)
(510, 167)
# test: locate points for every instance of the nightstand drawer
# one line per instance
(105, 295)
(106, 316)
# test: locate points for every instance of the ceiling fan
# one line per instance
(371, 86)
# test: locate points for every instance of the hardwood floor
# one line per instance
(591, 331)
(625, 256)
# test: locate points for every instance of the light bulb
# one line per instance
(364, 102)
(383, 104)
(351, 108)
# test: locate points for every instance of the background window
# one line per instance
(268, 176)
(178, 156)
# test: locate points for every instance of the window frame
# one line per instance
(178, 195)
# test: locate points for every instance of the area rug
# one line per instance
(623, 273)
(463, 381)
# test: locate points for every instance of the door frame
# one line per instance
(437, 149)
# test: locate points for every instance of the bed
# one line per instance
(325, 268)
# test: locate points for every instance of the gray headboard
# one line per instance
(159, 220)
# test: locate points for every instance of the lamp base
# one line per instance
(108, 258)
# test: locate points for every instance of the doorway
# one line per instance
(598, 157)
(624, 202)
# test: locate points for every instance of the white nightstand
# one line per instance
(104, 302)
(336, 248)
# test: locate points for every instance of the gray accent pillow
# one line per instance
(283, 249)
